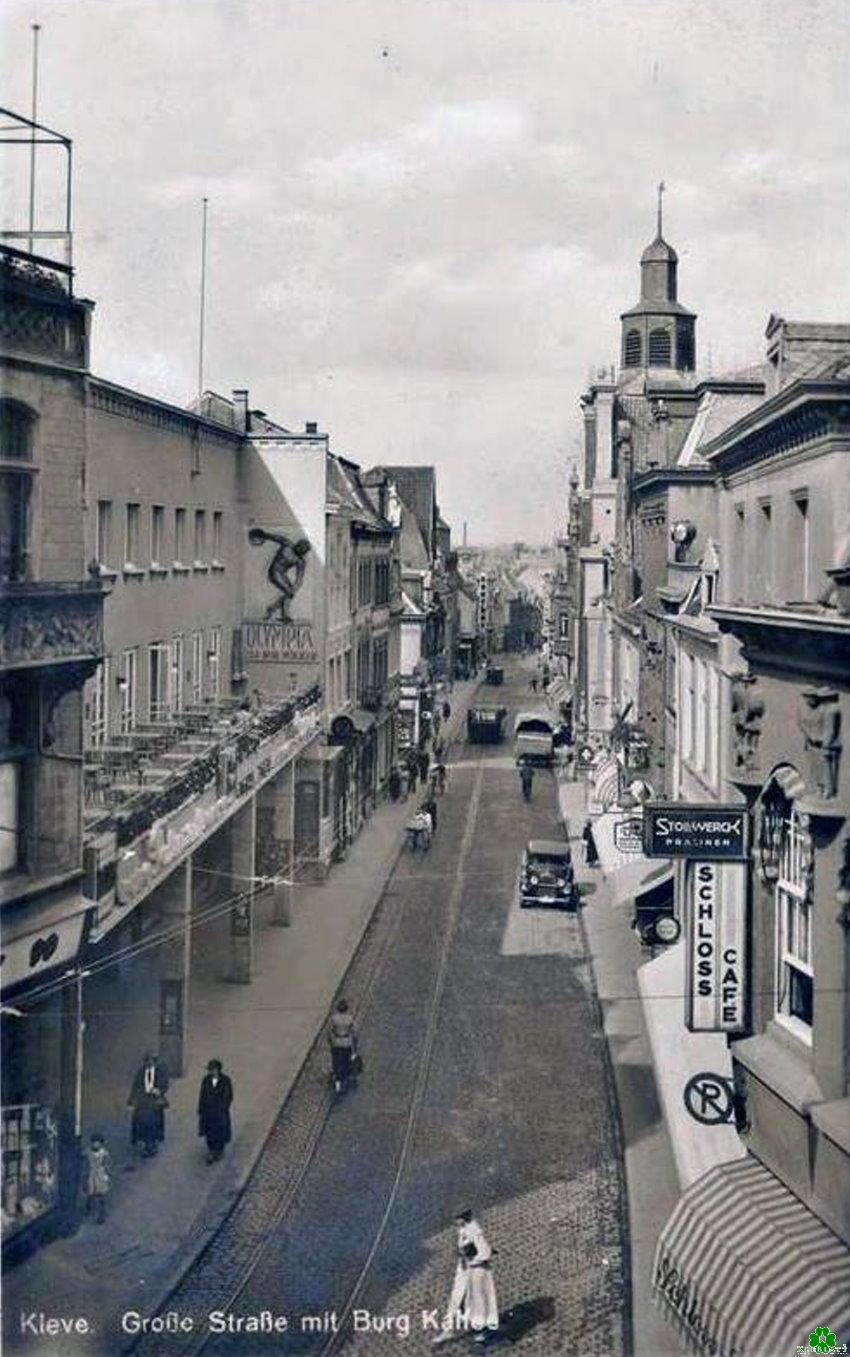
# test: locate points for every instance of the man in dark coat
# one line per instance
(148, 1101)
(214, 1101)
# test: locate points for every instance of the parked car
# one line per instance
(546, 875)
(495, 675)
(534, 738)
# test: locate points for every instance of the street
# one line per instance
(485, 1084)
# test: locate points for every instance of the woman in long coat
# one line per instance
(148, 1101)
(472, 1306)
(214, 1101)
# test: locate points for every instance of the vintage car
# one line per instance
(546, 875)
(485, 725)
(534, 738)
(495, 675)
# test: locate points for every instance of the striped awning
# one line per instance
(744, 1269)
(607, 781)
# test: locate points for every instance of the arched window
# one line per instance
(659, 349)
(632, 349)
(685, 348)
(17, 424)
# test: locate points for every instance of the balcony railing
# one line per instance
(148, 774)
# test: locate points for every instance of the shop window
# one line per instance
(633, 349)
(659, 349)
(30, 1164)
(793, 905)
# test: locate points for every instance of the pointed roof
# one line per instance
(659, 252)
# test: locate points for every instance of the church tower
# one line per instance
(659, 332)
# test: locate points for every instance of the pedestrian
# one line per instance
(148, 1101)
(423, 827)
(526, 777)
(214, 1100)
(534, 683)
(343, 1043)
(440, 778)
(98, 1179)
(429, 805)
(447, 711)
(412, 769)
(394, 784)
(591, 853)
(424, 764)
(438, 749)
(472, 1306)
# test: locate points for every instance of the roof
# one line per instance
(659, 252)
(717, 411)
(345, 494)
(548, 848)
(417, 486)
(658, 307)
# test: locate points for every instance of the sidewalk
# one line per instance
(161, 1212)
(651, 1180)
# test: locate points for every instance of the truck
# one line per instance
(534, 738)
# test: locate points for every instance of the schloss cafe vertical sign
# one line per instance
(713, 841)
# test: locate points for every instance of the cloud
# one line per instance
(446, 136)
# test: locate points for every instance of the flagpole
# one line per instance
(203, 299)
(36, 28)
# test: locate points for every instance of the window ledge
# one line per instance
(217, 565)
(131, 571)
(781, 1062)
(102, 572)
(157, 569)
(178, 568)
(200, 567)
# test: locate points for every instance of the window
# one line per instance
(131, 540)
(347, 663)
(686, 706)
(712, 767)
(765, 550)
(159, 673)
(157, 534)
(104, 531)
(176, 682)
(200, 552)
(794, 890)
(659, 349)
(197, 666)
(218, 537)
(180, 536)
(98, 723)
(14, 742)
(214, 663)
(128, 682)
(740, 549)
(802, 548)
(379, 663)
(685, 347)
(16, 446)
(633, 349)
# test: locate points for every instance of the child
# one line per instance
(98, 1181)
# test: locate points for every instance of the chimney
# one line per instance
(241, 417)
(311, 426)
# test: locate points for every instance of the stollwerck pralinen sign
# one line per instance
(708, 833)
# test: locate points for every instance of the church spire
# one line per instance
(661, 187)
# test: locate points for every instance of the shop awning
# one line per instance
(744, 1269)
(656, 889)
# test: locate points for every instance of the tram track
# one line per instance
(225, 1298)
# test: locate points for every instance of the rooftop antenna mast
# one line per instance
(203, 300)
(36, 29)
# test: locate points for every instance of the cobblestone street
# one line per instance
(486, 1084)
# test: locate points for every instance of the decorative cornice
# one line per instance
(797, 416)
(119, 400)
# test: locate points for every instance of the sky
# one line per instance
(425, 216)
